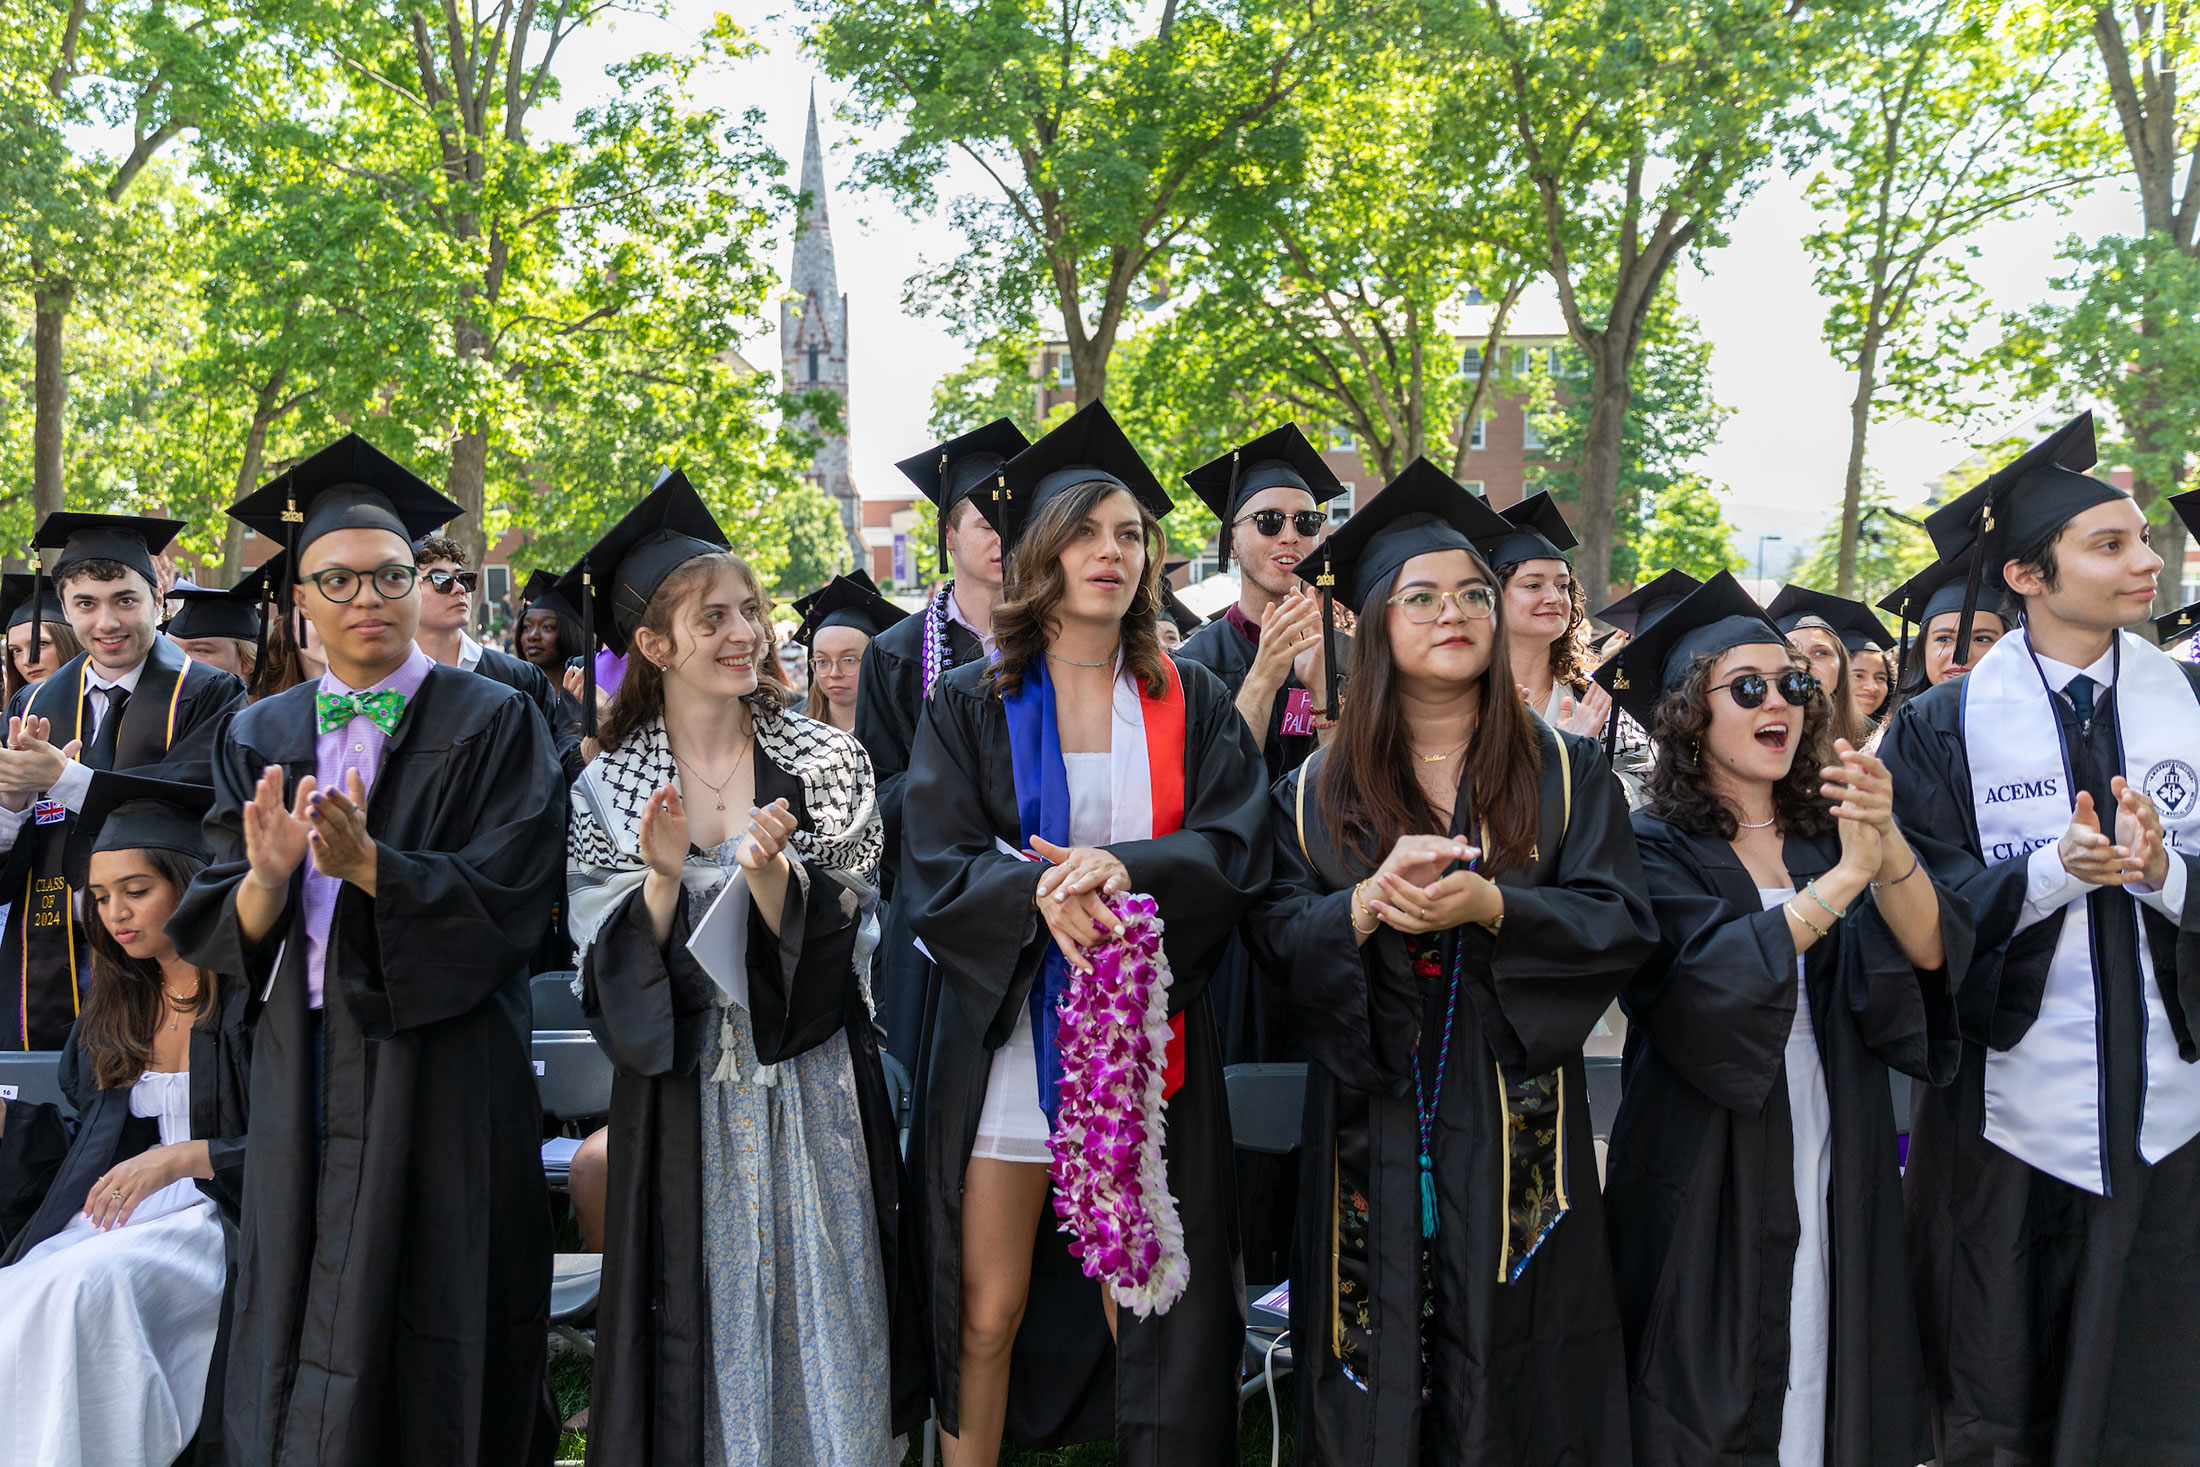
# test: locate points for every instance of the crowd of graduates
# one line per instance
(280, 862)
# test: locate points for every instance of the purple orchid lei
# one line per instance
(1111, 1186)
(935, 637)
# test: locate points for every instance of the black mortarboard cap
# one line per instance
(238, 611)
(349, 485)
(1638, 610)
(1714, 618)
(1423, 510)
(1538, 532)
(1940, 588)
(2187, 506)
(129, 812)
(1848, 620)
(2014, 510)
(2177, 625)
(1187, 620)
(1087, 446)
(128, 539)
(947, 472)
(846, 601)
(1281, 456)
(542, 594)
(617, 575)
(16, 588)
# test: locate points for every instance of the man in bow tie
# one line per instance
(388, 845)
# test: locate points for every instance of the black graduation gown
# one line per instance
(1700, 1190)
(652, 1007)
(2058, 1326)
(1168, 1393)
(559, 713)
(393, 1286)
(1529, 1372)
(889, 696)
(168, 731)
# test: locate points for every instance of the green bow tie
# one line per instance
(385, 707)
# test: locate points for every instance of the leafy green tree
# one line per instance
(1107, 135)
(999, 381)
(1888, 548)
(1671, 422)
(1684, 527)
(1635, 130)
(1946, 117)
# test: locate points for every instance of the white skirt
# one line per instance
(107, 1337)
(1011, 1127)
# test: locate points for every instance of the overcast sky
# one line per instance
(1782, 453)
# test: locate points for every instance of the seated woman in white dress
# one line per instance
(112, 1252)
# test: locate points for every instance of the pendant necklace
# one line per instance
(719, 789)
(1440, 758)
(1107, 661)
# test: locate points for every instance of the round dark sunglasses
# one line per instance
(1796, 688)
(447, 581)
(1269, 522)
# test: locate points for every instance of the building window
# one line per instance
(1470, 362)
(1478, 437)
(1474, 486)
(1340, 438)
(1530, 440)
(813, 362)
(1065, 370)
(1340, 508)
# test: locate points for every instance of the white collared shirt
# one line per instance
(2048, 888)
(469, 653)
(75, 779)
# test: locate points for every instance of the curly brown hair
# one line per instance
(641, 699)
(1367, 790)
(1570, 665)
(439, 547)
(1032, 586)
(1680, 794)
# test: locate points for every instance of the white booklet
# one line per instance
(720, 942)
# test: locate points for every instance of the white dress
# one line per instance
(107, 1336)
(1810, 1323)
(1012, 1127)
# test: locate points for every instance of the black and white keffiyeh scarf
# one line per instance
(603, 846)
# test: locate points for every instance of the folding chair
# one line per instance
(33, 1076)
(573, 1082)
(1267, 1114)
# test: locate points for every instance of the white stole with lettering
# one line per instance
(2043, 1096)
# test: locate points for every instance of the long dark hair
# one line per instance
(1033, 585)
(124, 1005)
(65, 646)
(284, 667)
(1569, 662)
(1367, 790)
(1682, 797)
(641, 699)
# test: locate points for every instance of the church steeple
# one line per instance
(813, 328)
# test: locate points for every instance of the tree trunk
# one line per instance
(1089, 360)
(1852, 487)
(468, 479)
(248, 479)
(51, 300)
(1601, 447)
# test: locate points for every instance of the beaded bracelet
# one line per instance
(1810, 889)
(1905, 876)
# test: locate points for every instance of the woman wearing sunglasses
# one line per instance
(1456, 900)
(1753, 1186)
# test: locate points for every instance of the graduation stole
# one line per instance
(1146, 785)
(48, 975)
(2043, 1096)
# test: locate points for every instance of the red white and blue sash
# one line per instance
(1146, 800)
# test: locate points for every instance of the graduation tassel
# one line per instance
(1428, 1197)
(38, 602)
(1902, 654)
(588, 651)
(1327, 581)
(1611, 732)
(1229, 531)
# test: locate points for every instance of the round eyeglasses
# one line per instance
(1423, 607)
(340, 583)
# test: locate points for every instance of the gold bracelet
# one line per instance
(1789, 908)
(1357, 903)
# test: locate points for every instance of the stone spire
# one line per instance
(813, 329)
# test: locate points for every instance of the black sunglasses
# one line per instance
(1796, 688)
(444, 581)
(1269, 522)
